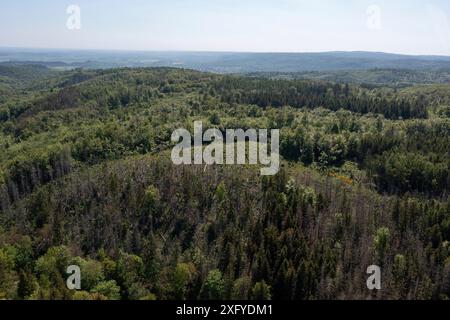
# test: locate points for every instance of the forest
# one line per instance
(86, 179)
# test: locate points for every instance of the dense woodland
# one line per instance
(86, 179)
(395, 78)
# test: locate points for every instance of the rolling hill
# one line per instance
(226, 62)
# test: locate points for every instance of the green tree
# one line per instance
(180, 279)
(213, 287)
(381, 242)
(51, 269)
(91, 272)
(130, 270)
(109, 289)
(8, 277)
(214, 119)
(241, 288)
(261, 291)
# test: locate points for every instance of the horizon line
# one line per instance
(215, 51)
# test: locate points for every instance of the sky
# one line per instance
(396, 26)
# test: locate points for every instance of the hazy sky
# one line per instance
(399, 26)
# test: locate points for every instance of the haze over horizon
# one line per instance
(55, 49)
(268, 26)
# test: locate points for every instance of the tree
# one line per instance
(51, 269)
(84, 295)
(241, 288)
(399, 274)
(381, 242)
(27, 284)
(8, 277)
(137, 291)
(261, 291)
(130, 270)
(214, 118)
(91, 271)
(109, 289)
(213, 287)
(180, 279)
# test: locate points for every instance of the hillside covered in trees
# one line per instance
(86, 179)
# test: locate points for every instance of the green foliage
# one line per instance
(241, 289)
(51, 269)
(221, 192)
(108, 289)
(84, 164)
(261, 291)
(91, 271)
(7, 274)
(130, 269)
(213, 287)
(95, 116)
(137, 291)
(84, 295)
(381, 241)
(152, 197)
(180, 279)
(315, 94)
(149, 297)
(397, 78)
(214, 119)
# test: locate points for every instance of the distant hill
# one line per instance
(18, 74)
(227, 62)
